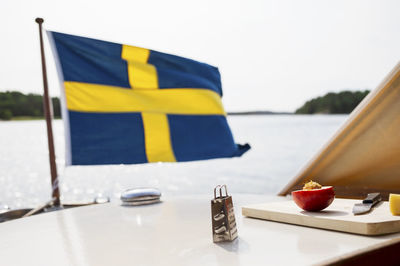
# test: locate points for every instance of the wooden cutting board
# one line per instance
(338, 216)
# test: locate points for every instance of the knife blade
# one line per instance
(367, 203)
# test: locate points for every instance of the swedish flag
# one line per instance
(124, 105)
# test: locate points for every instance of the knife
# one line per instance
(367, 203)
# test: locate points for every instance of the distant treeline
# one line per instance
(333, 103)
(16, 104)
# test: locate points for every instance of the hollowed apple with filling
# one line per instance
(313, 197)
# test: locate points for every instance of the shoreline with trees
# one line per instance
(15, 105)
(342, 102)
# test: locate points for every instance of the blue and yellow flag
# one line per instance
(125, 105)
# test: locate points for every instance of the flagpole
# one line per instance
(46, 105)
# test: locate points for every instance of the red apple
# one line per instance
(314, 200)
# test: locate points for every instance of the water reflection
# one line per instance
(280, 146)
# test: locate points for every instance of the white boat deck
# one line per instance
(176, 231)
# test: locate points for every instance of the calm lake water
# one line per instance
(281, 145)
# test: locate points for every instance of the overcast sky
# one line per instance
(272, 55)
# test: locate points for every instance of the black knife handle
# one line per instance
(372, 198)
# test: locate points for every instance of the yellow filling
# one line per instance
(311, 185)
(394, 202)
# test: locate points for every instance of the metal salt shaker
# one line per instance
(223, 216)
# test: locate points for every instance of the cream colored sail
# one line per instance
(364, 155)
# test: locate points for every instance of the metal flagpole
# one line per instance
(46, 103)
